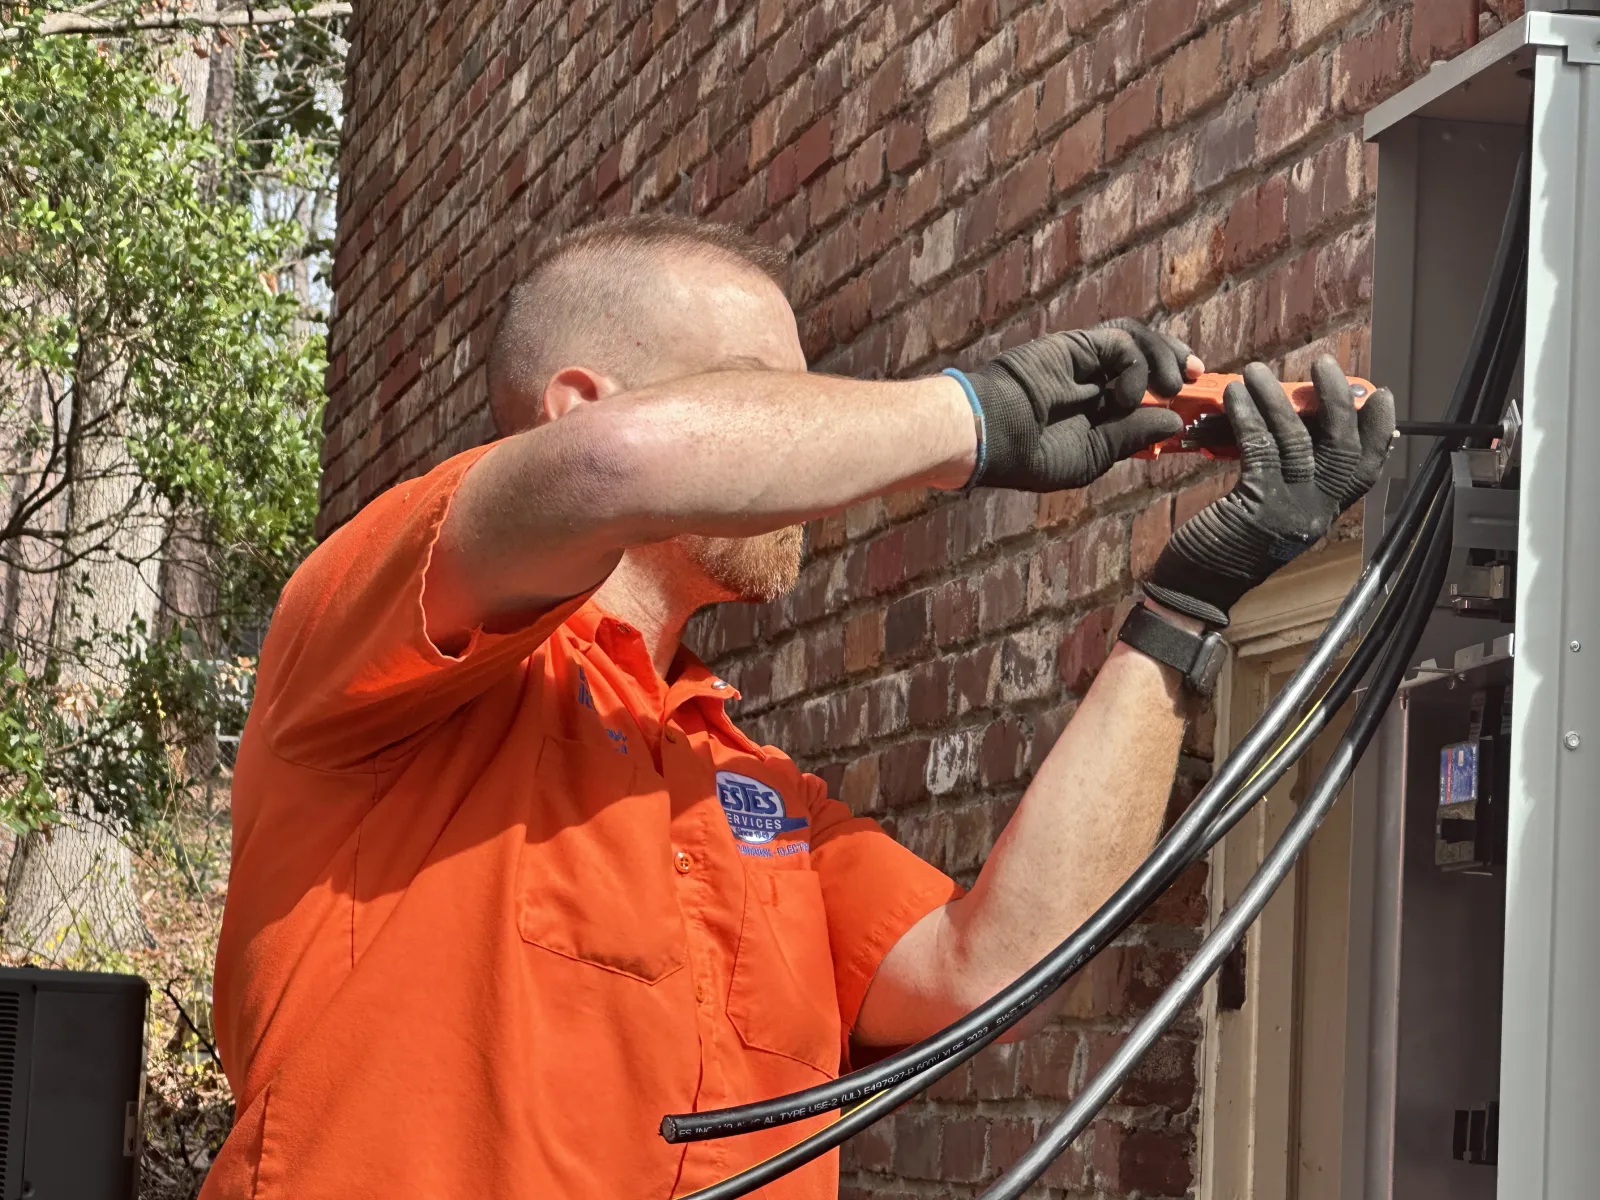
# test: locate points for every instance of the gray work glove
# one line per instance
(1060, 410)
(1297, 474)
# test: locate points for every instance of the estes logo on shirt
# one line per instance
(755, 811)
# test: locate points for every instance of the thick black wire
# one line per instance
(1397, 650)
(1181, 844)
(1390, 669)
(886, 1101)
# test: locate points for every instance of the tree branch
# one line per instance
(82, 21)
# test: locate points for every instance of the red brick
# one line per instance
(1370, 67)
(1131, 116)
(1153, 1162)
(1116, 52)
(1168, 22)
(1077, 153)
(1441, 29)
(1327, 187)
(1065, 90)
(1024, 192)
(1012, 126)
(1057, 250)
(905, 146)
(1269, 41)
(1004, 281)
(1131, 287)
(1293, 106)
(863, 640)
(955, 312)
(1257, 225)
(975, 21)
(1084, 649)
(1226, 144)
(1152, 528)
(916, 1146)
(1042, 31)
(964, 1146)
(1193, 78)
(1048, 1062)
(1191, 261)
(1192, 499)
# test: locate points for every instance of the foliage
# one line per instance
(130, 743)
(119, 274)
(150, 348)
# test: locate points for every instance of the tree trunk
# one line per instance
(69, 890)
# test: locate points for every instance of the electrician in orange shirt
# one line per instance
(508, 884)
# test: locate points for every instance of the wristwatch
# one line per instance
(1198, 658)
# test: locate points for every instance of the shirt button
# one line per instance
(718, 684)
(682, 862)
(674, 736)
(700, 992)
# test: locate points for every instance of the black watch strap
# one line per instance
(1198, 658)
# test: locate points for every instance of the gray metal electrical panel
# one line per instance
(1473, 1061)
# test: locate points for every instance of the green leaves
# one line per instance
(140, 268)
(106, 217)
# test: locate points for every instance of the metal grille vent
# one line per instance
(10, 1019)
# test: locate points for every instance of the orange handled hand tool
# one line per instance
(1205, 425)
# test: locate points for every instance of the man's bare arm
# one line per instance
(1090, 815)
(547, 513)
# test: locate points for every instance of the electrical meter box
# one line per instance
(1472, 1060)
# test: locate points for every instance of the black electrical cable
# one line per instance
(1390, 669)
(1180, 845)
(882, 1103)
(1396, 651)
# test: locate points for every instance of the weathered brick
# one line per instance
(1371, 66)
(1168, 22)
(1024, 192)
(1012, 125)
(1293, 106)
(1077, 153)
(1154, 1162)
(1084, 649)
(1226, 144)
(1257, 225)
(1191, 260)
(1193, 78)
(1131, 116)
(1441, 29)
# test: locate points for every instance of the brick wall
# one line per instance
(952, 177)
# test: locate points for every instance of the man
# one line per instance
(508, 884)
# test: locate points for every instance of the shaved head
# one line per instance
(610, 297)
(640, 301)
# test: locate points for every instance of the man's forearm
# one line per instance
(546, 513)
(1089, 817)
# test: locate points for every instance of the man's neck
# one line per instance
(651, 601)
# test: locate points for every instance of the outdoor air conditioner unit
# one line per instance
(71, 1083)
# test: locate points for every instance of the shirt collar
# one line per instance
(690, 677)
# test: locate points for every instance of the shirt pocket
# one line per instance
(594, 879)
(781, 997)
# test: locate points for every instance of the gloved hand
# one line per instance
(1296, 475)
(1060, 410)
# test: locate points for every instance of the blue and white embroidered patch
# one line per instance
(755, 811)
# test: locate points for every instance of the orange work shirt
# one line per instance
(492, 915)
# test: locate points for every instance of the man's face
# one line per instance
(714, 317)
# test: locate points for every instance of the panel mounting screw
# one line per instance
(1573, 741)
(1574, 645)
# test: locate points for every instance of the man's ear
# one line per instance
(572, 386)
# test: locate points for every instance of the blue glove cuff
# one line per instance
(977, 417)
